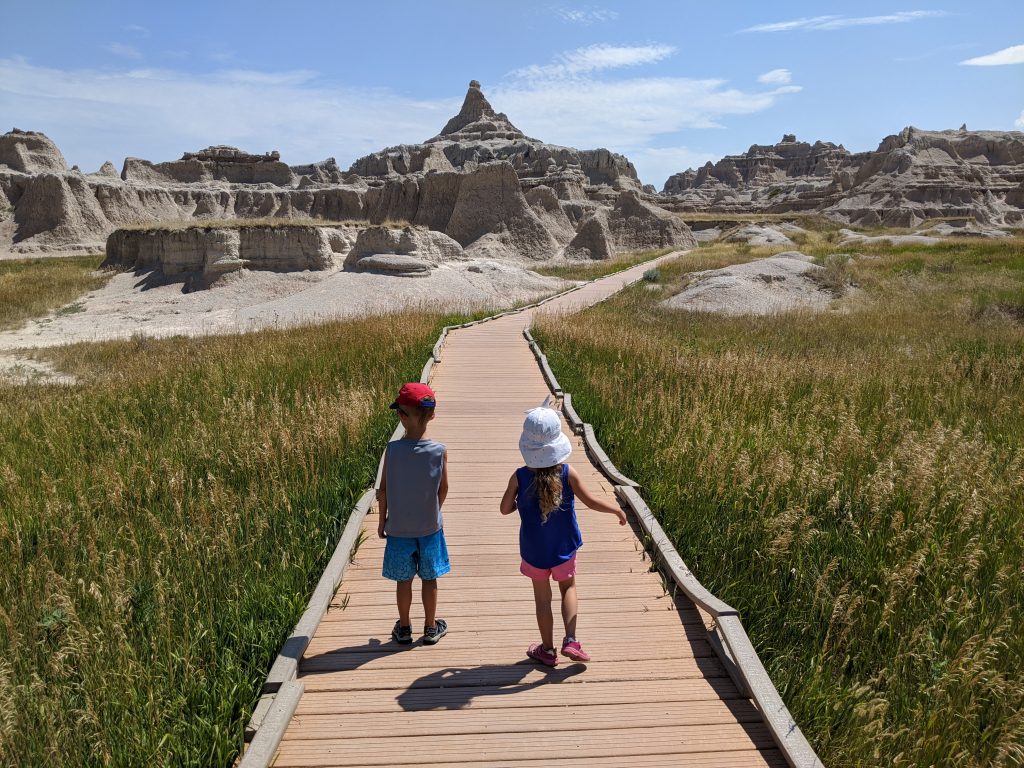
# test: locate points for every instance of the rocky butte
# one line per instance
(481, 182)
(912, 177)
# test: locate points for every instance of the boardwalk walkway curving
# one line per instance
(655, 693)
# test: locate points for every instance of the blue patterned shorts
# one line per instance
(426, 556)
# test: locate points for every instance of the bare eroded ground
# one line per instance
(245, 301)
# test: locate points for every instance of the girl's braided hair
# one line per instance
(548, 482)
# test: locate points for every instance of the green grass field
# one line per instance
(162, 525)
(852, 482)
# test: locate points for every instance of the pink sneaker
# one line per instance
(539, 653)
(573, 650)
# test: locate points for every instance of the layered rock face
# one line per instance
(206, 253)
(482, 182)
(913, 176)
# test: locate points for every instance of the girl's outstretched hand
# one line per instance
(622, 517)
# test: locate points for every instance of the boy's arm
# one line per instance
(382, 500)
(508, 501)
(442, 490)
(591, 500)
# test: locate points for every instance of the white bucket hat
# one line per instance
(542, 442)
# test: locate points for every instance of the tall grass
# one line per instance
(592, 270)
(32, 287)
(852, 482)
(162, 525)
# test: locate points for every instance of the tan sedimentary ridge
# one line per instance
(912, 177)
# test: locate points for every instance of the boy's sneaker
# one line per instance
(539, 653)
(401, 635)
(432, 634)
(572, 649)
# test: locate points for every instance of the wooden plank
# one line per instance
(751, 758)
(544, 695)
(523, 672)
(583, 717)
(557, 745)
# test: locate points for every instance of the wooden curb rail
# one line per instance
(727, 636)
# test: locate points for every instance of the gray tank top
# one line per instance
(413, 479)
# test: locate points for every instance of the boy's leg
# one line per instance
(545, 622)
(404, 594)
(569, 605)
(429, 593)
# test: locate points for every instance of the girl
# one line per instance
(543, 491)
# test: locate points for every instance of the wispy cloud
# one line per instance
(126, 51)
(1019, 122)
(586, 15)
(594, 58)
(137, 29)
(1012, 55)
(776, 77)
(159, 113)
(825, 23)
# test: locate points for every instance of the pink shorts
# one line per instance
(561, 572)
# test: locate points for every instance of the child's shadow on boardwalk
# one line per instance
(456, 687)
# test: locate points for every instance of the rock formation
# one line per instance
(482, 182)
(913, 176)
(30, 152)
(206, 253)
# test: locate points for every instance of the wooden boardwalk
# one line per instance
(655, 693)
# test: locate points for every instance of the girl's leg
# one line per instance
(429, 594)
(404, 593)
(569, 606)
(545, 622)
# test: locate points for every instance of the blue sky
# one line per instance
(670, 84)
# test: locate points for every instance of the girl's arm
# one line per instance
(591, 500)
(442, 490)
(382, 499)
(508, 501)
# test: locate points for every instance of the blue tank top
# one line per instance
(551, 543)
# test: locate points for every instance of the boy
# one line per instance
(412, 489)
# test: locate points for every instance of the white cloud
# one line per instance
(586, 16)
(841, 22)
(1019, 122)
(1012, 55)
(158, 114)
(595, 58)
(776, 77)
(137, 29)
(120, 49)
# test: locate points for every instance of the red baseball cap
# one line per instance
(415, 394)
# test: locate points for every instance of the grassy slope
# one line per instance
(852, 482)
(32, 287)
(162, 525)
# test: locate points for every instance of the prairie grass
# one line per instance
(32, 287)
(852, 482)
(592, 270)
(163, 523)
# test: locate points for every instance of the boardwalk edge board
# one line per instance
(267, 739)
(727, 637)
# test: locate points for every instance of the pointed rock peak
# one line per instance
(477, 119)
